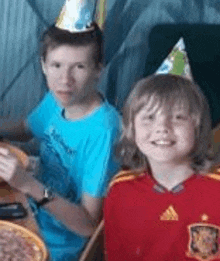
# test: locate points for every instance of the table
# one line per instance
(10, 195)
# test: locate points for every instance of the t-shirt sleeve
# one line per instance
(38, 119)
(100, 164)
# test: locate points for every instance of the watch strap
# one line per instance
(48, 197)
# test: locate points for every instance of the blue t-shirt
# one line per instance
(77, 158)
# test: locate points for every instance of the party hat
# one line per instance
(101, 12)
(177, 62)
(77, 15)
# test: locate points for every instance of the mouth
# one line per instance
(64, 94)
(165, 143)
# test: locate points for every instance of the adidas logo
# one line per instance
(169, 214)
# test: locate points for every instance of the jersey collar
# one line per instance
(158, 188)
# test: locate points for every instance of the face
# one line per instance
(164, 135)
(71, 73)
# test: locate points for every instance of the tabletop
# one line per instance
(11, 195)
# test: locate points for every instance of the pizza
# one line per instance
(21, 155)
(20, 244)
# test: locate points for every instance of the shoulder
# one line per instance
(108, 116)
(210, 181)
(48, 98)
(41, 115)
(208, 184)
(123, 187)
(126, 176)
(48, 104)
(106, 121)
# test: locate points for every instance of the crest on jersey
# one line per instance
(203, 242)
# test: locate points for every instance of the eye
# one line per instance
(148, 117)
(56, 65)
(80, 66)
(180, 116)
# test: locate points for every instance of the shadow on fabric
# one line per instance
(203, 48)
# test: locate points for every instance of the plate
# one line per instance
(20, 242)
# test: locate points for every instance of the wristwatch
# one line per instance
(48, 197)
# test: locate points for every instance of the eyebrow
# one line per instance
(75, 63)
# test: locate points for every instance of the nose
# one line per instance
(67, 77)
(163, 125)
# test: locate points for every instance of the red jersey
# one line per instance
(145, 222)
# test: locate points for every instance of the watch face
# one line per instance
(48, 194)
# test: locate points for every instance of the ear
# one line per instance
(43, 66)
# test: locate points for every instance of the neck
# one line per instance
(170, 175)
(83, 108)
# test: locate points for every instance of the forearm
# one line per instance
(74, 217)
(14, 130)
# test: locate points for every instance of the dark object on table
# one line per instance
(12, 211)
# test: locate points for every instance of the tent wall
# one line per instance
(140, 34)
(136, 42)
(21, 80)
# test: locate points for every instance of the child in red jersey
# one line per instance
(162, 209)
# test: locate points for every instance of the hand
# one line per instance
(11, 170)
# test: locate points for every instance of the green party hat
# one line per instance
(177, 62)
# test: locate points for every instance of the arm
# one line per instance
(82, 219)
(79, 218)
(96, 173)
(97, 161)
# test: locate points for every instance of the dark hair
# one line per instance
(165, 90)
(54, 37)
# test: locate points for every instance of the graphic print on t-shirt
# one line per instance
(53, 172)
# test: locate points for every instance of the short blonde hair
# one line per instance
(166, 90)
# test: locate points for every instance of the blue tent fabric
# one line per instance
(22, 84)
(140, 33)
(138, 36)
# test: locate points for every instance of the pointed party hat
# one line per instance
(77, 15)
(177, 62)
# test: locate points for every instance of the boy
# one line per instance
(163, 208)
(77, 129)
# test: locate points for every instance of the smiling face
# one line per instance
(154, 127)
(71, 73)
(164, 135)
